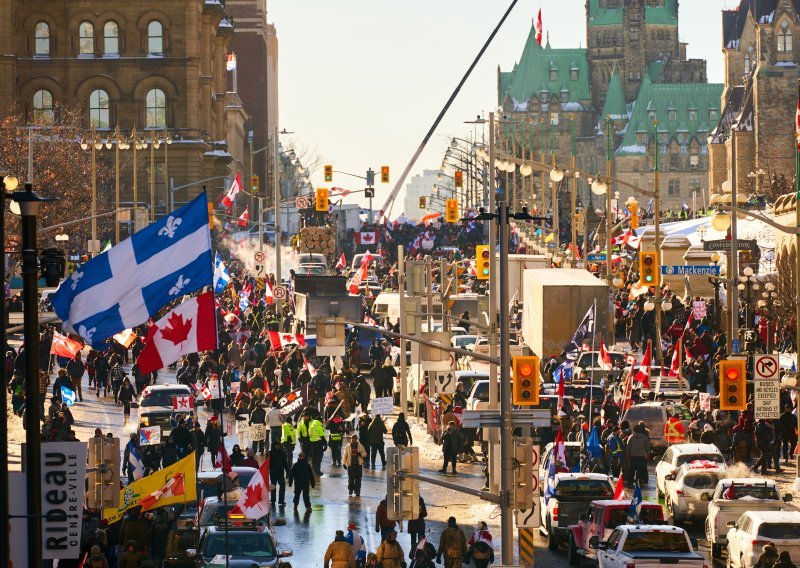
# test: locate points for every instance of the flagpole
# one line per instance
(222, 431)
(591, 377)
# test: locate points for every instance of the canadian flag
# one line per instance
(283, 340)
(232, 319)
(365, 238)
(627, 238)
(63, 346)
(172, 488)
(268, 296)
(539, 28)
(369, 321)
(230, 197)
(605, 357)
(675, 366)
(183, 402)
(309, 367)
(341, 263)
(203, 390)
(560, 401)
(254, 502)
(643, 374)
(559, 450)
(189, 328)
(244, 218)
(125, 338)
(357, 279)
(223, 461)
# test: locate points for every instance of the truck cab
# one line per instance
(648, 546)
(565, 497)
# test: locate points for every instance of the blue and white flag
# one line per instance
(67, 395)
(221, 276)
(128, 284)
(593, 444)
(137, 465)
(636, 505)
(583, 334)
(566, 367)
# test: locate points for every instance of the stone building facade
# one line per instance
(634, 77)
(156, 66)
(761, 53)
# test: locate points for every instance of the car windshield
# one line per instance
(779, 531)
(686, 458)
(250, 544)
(751, 491)
(681, 412)
(211, 511)
(464, 341)
(701, 480)
(162, 397)
(648, 515)
(656, 541)
(583, 488)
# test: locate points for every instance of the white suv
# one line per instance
(679, 454)
(688, 494)
(754, 529)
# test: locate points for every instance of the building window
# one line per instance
(694, 160)
(573, 74)
(99, 109)
(748, 63)
(155, 38)
(554, 74)
(156, 109)
(42, 37)
(784, 38)
(564, 96)
(692, 114)
(694, 185)
(673, 114)
(43, 107)
(651, 115)
(674, 187)
(634, 35)
(86, 38)
(712, 115)
(111, 38)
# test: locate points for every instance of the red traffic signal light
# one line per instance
(733, 384)
(451, 211)
(384, 174)
(526, 380)
(459, 179)
(648, 269)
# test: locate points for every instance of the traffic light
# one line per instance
(648, 269)
(526, 380)
(321, 199)
(522, 495)
(579, 219)
(633, 209)
(459, 179)
(52, 264)
(328, 173)
(384, 174)
(423, 203)
(451, 212)
(402, 493)
(732, 384)
(482, 262)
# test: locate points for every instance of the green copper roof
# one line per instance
(615, 105)
(532, 75)
(678, 108)
(666, 15)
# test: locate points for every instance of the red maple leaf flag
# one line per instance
(189, 328)
(605, 357)
(341, 263)
(230, 197)
(63, 346)
(538, 26)
(254, 503)
(281, 341)
(244, 218)
(644, 372)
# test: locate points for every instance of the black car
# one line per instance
(156, 407)
(179, 541)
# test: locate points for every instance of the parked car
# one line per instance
(648, 546)
(179, 541)
(601, 518)
(734, 496)
(688, 491)
(754, 529)
(565, 497)
(246, 544)
(155, 406)
(679, 454)
(655, 415)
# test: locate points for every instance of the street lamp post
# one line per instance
(167, 189)
(138, 144)
(96, 144)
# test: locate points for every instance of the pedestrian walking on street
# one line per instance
(198, 443)
(451, 445)
(316, 437)
(480, 546)
(420, 560)
(75, 370)
(401, 432)
(353, 458)
(637, 452)
(302, 477)
(390, 553)
(288, 439)
(279, 465)
(126, 396)
(339, 554)
(416, 527)
(213, 438)
(382, 523)
(375, 432)
(452, 545)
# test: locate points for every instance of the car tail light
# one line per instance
(555, 513)
(630, 565)
(679, 492)
(758, 542)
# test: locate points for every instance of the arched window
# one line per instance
(99, 109)
(784, 38)
(42, 39)
(748, 61)
(156, 105)
(43, 107)
(111, 38)
(155, 38)
(86, 38)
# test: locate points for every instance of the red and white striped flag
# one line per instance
(675, 367)
(644, 372)
(358, 277)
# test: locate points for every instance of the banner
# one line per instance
(63, 492)
(149, 435)
(294, 402)
(155, 489)
(383, 406)
(258, 432)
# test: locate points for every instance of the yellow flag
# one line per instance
(549, 238)
(174, 484)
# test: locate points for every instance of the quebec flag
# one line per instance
(127, 285)
(221, 276)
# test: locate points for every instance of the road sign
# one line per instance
(551, 245)
(766, 368)
(279, 292)
(725, 245)
(750, 336)
(736, 345)
(767, 399)
(683, 270)
(531, 417)
(259, 264)
(302, 202)
(596, 258)
(530, 518)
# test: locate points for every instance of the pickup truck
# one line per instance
(565, 497)
(602, 517)
(734, 496)
(648, 546)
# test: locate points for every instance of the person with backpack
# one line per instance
(480, 546)
(401, 432)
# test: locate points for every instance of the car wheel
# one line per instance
(572, 552)
(671, 511)
(552, 541)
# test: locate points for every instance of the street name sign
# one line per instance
(725, 245)
(596, 257)
(686, 270)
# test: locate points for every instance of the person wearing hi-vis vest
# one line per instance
(674, 431)
(316, 435)
(288, 439)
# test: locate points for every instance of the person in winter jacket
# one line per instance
(357, 544)
(420, 560)
(339, 554)
(75, 370)
(382, 523)
(96, 558)
(453, 545)
(131, 558)
(353, 458)
(784, 561)
(401, 432)
(169, 452)
(279, 465)
(259, 416)
(126, 396)
(198, 444)
(302, 476)
(480, 546)
(769, 555)
(213, 437)
(390, 553)
(451, 446)
(375, 432)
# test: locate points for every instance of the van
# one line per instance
(388, 304)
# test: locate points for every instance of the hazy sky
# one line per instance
(361, 81)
